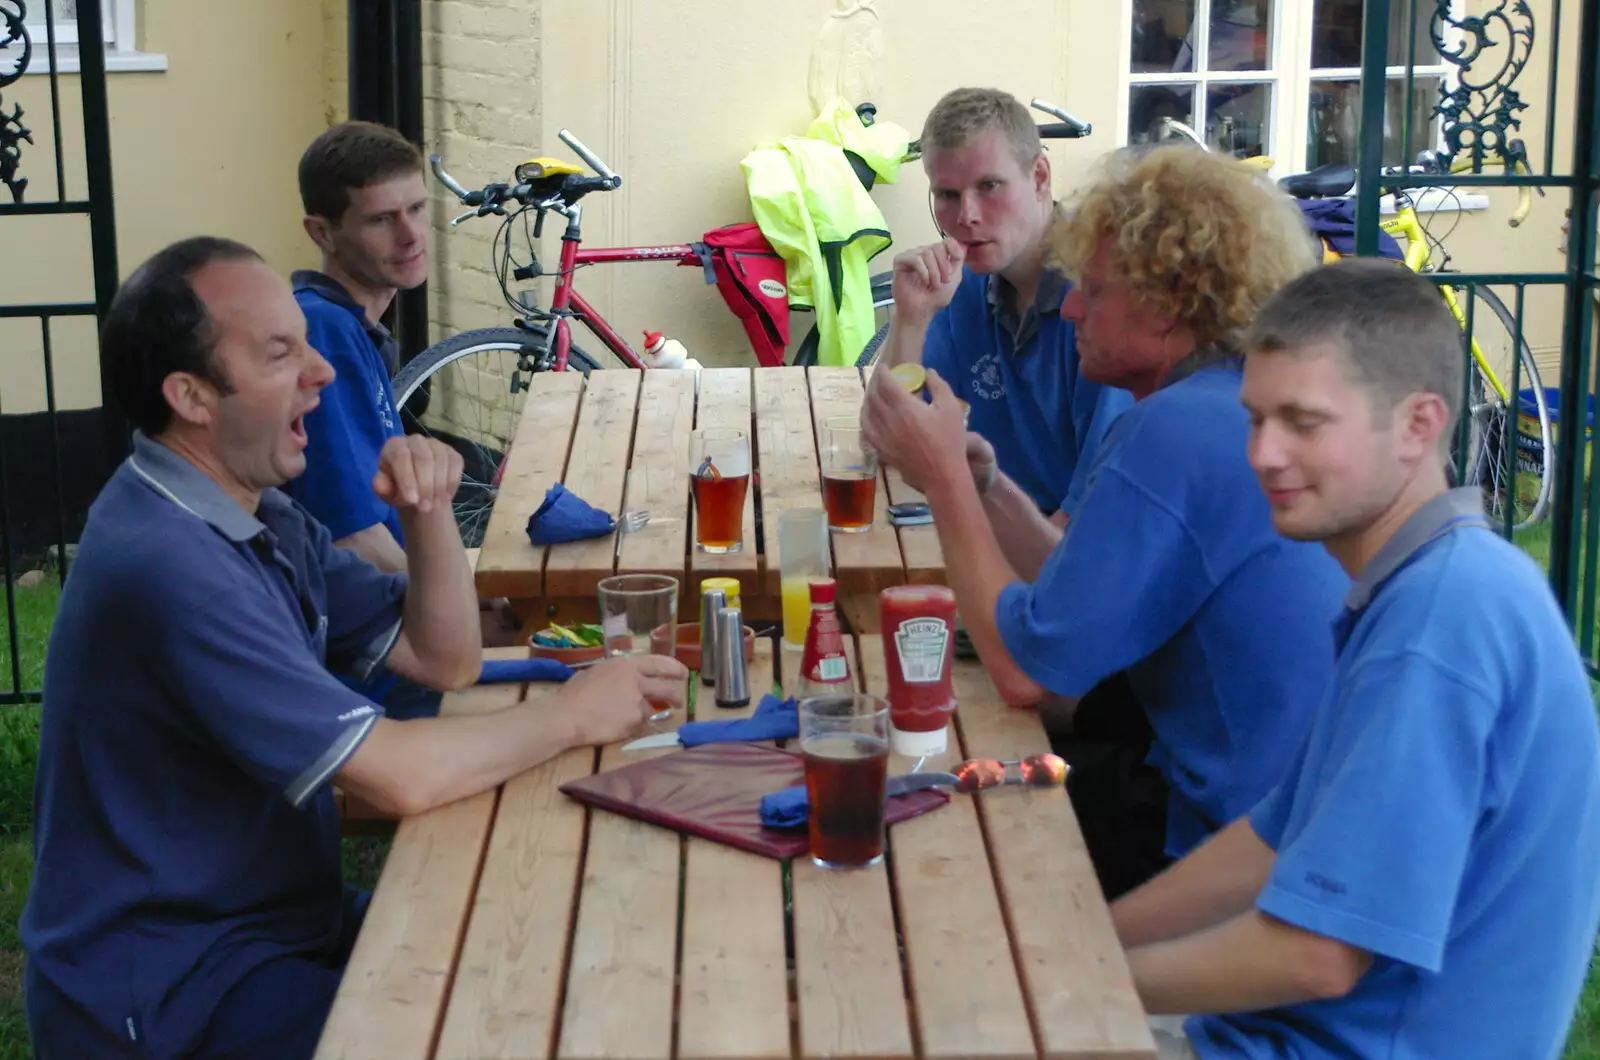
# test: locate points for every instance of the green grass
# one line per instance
(362, 855)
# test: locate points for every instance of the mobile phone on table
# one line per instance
(912, 513)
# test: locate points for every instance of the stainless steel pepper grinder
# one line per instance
(733, 676)
(711, 602)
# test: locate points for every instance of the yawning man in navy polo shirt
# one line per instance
(1422, 883)
(186, 899)
(1169, 567)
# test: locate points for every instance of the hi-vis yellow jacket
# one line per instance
(815, 212)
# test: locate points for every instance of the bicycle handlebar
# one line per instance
(612, 180)
(1514, 157)
(1068, 128)
(471, 198)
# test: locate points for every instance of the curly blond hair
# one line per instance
(1201, 237)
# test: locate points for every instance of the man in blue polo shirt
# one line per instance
(186, 899)
(362, 189)
(1169, 567)
(982, 309)
(1422, 883)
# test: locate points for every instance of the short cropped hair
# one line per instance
(158, 325)
(1397, 335)
(965, 114)
(1201, 237)
(351, 156)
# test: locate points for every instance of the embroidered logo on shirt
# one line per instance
(352, 715)
(384, 408)
(986, 380)
(1320, 881)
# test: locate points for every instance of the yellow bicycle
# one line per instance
(1509, 452)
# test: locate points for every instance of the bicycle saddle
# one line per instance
(1335, 178)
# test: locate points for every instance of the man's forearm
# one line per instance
(1026, 537)
(410, 767)
(1251, 962)
(377, 546)
(903, 343)
(441, 607)
(977, 571)
(1216, 882)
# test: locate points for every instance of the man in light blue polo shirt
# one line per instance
(1169, 567)
(1423, 883)
(982, 309)
(186, 898)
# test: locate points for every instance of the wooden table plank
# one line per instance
(967, 997)
(512, 968)
(507, 564)
(787, 454)
(869, 561)
(852, 991)
(735, 989)
(725, 402)
(597, 472)
(1074, 972)
(658, 480)
(619, 1001)
(390, 1001)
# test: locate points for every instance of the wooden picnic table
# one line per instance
(620, 440)
(518, 923)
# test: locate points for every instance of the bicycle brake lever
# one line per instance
(463, 217)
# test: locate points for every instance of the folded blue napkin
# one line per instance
(517, 671)
(565, 516)
(774, 719)
(785, 809)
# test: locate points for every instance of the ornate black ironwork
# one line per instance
(12, 132)
(1480, 113)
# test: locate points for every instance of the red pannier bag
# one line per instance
(751, 276)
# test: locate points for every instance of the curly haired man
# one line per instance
(1169, 567)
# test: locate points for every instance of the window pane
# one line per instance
(1336, 121)
(1161, 31)
(1336, 33)
(1240, 34)
(1237, 117)
(1148, 104)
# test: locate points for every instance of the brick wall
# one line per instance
(481, 112)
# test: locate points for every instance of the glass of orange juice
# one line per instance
(802, 555)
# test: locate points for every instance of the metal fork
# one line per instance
(634, 520)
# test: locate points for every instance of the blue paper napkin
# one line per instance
(517, 671)
(774, 719)
(785, 809)
(565, 516)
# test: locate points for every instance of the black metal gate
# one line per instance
(1472, 136)
(51, 462)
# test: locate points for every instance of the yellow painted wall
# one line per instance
(673, 95)
(209, 146)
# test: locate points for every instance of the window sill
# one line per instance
(1439, 200)
(117, 62)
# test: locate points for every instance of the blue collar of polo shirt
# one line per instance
(332, 290)
(1462, 506)
(192, 489)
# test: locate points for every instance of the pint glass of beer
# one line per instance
(849, 475)
(719, 478)
(844, 740)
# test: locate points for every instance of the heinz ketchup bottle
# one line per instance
(919, 644)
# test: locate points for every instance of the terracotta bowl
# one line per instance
(688, 647)
(569, 656)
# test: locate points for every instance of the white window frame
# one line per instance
(1290, 73)
(118, 37)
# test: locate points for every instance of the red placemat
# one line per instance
(714, 792)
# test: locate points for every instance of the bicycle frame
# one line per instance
(566, 303)
(1405, 224)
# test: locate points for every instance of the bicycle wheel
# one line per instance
(1510, 452)
(467, 391)
(882, 303)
